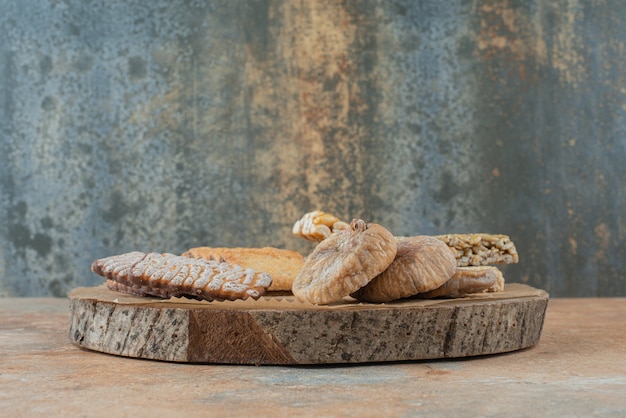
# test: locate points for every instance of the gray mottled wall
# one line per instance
(163, 125)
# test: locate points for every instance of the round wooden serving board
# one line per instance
(280, 330)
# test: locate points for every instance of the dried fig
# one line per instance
(422, 264)
(467, 280)
(344, 262)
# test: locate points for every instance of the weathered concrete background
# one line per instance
(163, 125)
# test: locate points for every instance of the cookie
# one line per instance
(169, 275)
(282, 265)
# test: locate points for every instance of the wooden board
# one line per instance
(280, 330)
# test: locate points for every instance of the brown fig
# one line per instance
(467, 280)
(422, 264)
(344, 262)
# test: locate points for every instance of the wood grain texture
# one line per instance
(280, 330)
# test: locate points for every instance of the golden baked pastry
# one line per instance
(282, 265)
(169, 275)
(317, 226)
(344, 262)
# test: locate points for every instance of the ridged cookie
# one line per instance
(169, 275)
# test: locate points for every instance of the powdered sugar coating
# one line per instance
(168, 275)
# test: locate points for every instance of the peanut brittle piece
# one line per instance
(481, 249)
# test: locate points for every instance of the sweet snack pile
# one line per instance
(360, 260)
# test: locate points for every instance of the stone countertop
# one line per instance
(577, 369)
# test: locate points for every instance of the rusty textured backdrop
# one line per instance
(163, 125)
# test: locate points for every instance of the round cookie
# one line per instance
(281, 265)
